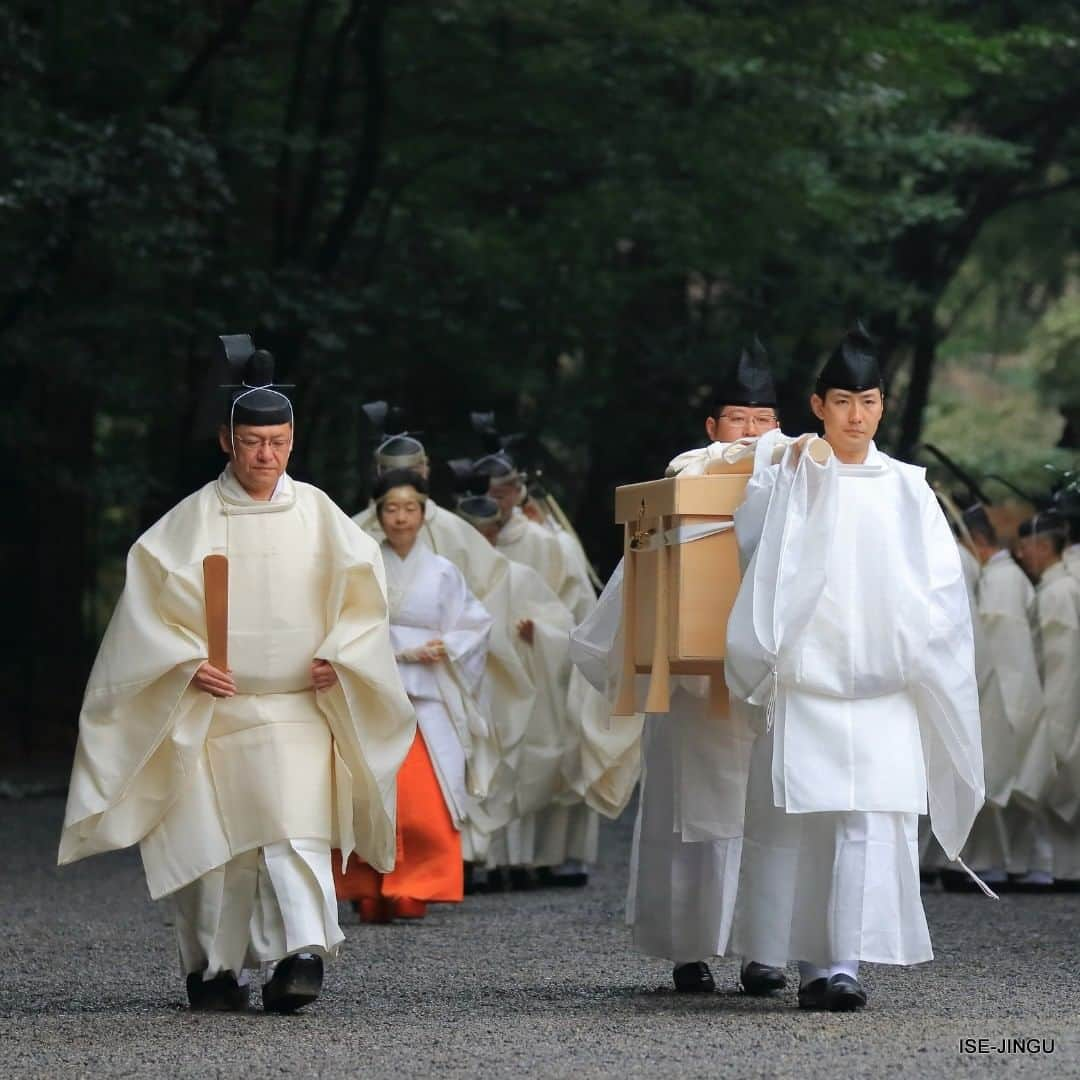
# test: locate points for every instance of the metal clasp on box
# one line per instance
(639, 538)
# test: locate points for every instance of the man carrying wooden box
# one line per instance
(694, 747)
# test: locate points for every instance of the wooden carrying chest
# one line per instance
(677, 594)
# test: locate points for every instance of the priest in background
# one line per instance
(1057, 599)
(852, 628)
(1010, 700)
(237, 783)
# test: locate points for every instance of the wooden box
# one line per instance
(677, 594)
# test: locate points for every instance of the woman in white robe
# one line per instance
(439, 632)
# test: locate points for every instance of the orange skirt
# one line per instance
(428, 865)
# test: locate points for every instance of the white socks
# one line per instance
(808, 973)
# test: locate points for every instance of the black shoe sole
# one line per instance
(846, 1002)
(299, 986)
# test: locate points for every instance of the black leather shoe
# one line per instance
(546, 878)
(296, 982)
(693, 978)
(812, 994)
(520, 879)
(760, 980)
(844, 994)
(219, 994)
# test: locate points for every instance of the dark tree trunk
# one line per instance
(924, 357)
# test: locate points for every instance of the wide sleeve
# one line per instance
(142, 724)
(945, 690)
(1059, 620)
(465, 626)
(785, 527)
(1004, 604)
(368, 711)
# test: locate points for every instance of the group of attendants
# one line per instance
(418, 701)
(1023, 581)
(482, 595)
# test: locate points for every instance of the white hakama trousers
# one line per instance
(1031, 845)
(257, 908)
(564, 833)
(829, 888)
(682, 894)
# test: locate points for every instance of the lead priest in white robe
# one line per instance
(236, 783)
(853, 628)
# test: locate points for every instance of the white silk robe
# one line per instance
(853, 627)
(429, 599)
(198, 780)
(541, 766)
(1058, 612)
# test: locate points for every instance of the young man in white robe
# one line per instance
(687, 837)
(512, 692)
(1010, 700)
(1057, 599)
(544, 766)
(236, 783)
(439, 632)
(567, 833)
(853, 628)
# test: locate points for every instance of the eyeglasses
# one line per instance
(277, 444)
(751, 418)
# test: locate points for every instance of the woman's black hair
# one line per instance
(399, 478)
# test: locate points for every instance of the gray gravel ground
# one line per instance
(538, 984)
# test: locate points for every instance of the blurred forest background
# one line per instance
(569, 211)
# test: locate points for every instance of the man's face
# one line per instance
(740, 422)
(1035, 554)
(507, 493)
(851, 419)
(259, 455)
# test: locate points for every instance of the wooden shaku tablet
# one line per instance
(216, 588)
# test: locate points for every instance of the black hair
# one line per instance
(398, 478)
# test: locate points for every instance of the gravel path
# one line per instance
(536, 984)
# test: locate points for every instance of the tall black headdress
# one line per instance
(483, 423)
(1042, 523)
(852, 366)
(750, 380)
(479, 510)
(979, 524)
(398, 451)
(499, 468)
(254, 396)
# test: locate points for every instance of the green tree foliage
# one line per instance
(570, 211)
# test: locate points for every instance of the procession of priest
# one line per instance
(805, 653)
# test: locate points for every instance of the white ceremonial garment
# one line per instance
(540, 773)
(693, 766)
(1010, 701)
(1071, 558)
(567, 830)
(1057, 598)
(512, 693)
(198, 780)
(428, 599)
(526, 542)
(259, 907)
(853, 627)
